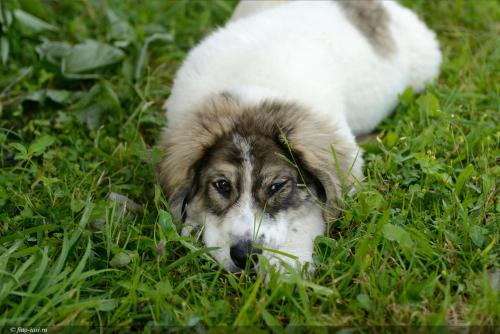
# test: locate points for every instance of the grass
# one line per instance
(85, 235)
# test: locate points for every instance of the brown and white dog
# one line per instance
(260, 145)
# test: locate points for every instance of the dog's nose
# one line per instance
(242, 251)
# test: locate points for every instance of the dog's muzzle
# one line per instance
(243, 253)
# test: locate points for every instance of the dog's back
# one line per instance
(331, 56)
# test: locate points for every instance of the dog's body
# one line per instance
(291, 78)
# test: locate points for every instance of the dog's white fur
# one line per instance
(307, 52)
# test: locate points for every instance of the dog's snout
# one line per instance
(243, 251)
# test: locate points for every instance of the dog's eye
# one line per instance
(223, 187)
(275, 187)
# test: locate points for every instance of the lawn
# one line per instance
(86, 238)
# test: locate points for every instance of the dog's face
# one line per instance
(256, 177)
(248, 199)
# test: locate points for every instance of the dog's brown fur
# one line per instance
(308, 137)
(372, 20)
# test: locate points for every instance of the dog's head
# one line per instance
(256, 179)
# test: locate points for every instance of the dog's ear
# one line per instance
(178, 200)
(333, 161)
(177, 174)
(181, 194)
(177, 195)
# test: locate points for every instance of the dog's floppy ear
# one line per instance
(178, 199)
(177, 194)
(178, 171)
(331, 158)
(324, 148)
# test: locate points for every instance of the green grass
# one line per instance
(418, 245)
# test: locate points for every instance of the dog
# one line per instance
(260, 148)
